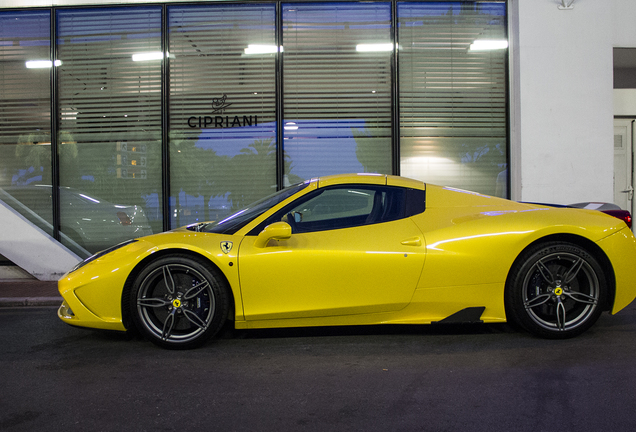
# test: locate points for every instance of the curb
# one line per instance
(29, 301)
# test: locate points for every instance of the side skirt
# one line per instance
(464, 316)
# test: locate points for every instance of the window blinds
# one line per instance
(338, 76)
(222, 108)
(109, 87)
(452, 97)
(337, 87)
(25, 114)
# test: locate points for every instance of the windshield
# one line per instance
(236, 221)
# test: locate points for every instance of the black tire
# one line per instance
(555, 290)
(179, 302)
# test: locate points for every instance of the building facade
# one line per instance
(133, 117)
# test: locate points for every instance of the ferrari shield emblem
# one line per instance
(226, 246)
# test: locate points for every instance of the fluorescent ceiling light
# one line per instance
(291, 126)
(42, 64)
(261, 49)
(374, 47)
(488, 44)
(155, 55)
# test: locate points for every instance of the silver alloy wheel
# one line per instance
(561, 291)
(176, 303)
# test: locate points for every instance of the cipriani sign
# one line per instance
(217, 120)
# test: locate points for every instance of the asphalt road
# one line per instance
(55, 377)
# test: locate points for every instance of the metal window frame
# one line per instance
(279, 73)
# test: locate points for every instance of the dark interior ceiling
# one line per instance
(624, 68)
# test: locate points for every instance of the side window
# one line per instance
(342, 207)
(335, 204)
(415, 202)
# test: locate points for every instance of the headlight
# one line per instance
(102, 253)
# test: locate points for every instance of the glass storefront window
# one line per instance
(109, 85)
(222, 109)
(25, 115)
(212, 91)
(452, 62)
(337, 88)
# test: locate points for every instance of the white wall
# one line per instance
(31, 248)
(565, 105)
(623, 23)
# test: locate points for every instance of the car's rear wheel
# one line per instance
(179, 302)
(556, 290)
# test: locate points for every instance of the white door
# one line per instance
(623, 156)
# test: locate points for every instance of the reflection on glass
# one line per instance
(25, 120)
(232, 223)
(92, 223)
(222, 109)
(337, 87)
(41, 64)
(110, 118)
(452, 97)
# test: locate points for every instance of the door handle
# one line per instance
(629, 191)
(413, 241)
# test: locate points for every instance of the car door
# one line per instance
(352, 251)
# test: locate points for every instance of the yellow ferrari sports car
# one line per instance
(361, 249)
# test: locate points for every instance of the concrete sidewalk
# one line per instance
(29, 292)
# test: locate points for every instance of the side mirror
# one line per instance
(275, 231)
(293, 217)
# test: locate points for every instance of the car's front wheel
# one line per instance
(179, 302)
(556, 290)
